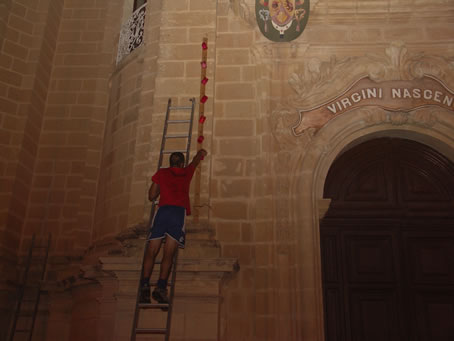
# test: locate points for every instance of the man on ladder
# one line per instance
(172, 184)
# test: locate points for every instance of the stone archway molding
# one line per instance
(315, 150)
(429, 126)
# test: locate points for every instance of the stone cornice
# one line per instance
(220, 265)
(353, 11)
(318, 80)
(114, 267)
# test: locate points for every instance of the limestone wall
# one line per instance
(277, 294)
(184, 24)
(28, 32)
(80, 135)
(118, 151)
(70, 147)
(166, 66)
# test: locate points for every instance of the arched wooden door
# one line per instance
(387, 244)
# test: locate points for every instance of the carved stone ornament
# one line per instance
(131, 34)
(282, 20)
(396, 81)
(395, 96)
(421, 117)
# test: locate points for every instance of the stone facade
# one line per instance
(80, 136)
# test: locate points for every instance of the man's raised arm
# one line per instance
(198, 157)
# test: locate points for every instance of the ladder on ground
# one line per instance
(184, 124)
(23, 321)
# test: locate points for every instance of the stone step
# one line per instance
(184, 264)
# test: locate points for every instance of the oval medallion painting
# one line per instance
(282, 20)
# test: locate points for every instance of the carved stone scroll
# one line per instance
(423, 81)
(395, 96)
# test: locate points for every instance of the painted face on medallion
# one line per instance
(282, 11)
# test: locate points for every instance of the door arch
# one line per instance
(387, 243)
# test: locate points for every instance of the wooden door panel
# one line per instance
(422, 193)
(387, 244)
(374, 315)
(333, 293)
(330, 260)
(390, 177)
(330, 250)
(429, 259)
(433, 315)
(419, 186)
(368, 185)
(334, 314)
(369, 258)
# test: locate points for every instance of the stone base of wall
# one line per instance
(196, 304)
(8, 291)
(6, 303)
(96, 301)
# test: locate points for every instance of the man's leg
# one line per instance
(160, 293)
(150, 257)
(153, 247)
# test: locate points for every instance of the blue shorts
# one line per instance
(169, 220)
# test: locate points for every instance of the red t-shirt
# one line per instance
(174, 185)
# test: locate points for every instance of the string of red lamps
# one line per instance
(203, 98)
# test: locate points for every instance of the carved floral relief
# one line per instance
(397, 81)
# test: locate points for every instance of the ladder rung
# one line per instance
(173, 151)
(178, 121)
(176, 136)
(25, 314)
(153, 305)
(151, 330)
(181, 108)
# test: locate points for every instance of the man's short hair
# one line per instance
(176, 159)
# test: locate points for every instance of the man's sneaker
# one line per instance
(160, 295)
(145, 294)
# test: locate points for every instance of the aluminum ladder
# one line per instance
(166, 136)
(19, 325)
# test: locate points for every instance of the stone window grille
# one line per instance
(131, 34)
